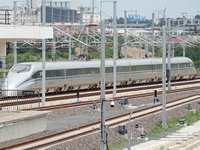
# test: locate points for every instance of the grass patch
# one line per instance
(174, 124)
(171, 125)
(120, 144)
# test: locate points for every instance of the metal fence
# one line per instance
(19, 100)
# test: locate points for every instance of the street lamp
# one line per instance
(129, 124)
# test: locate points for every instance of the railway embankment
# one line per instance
(92, 141)
(74, 111)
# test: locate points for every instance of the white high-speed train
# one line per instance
(69, 75)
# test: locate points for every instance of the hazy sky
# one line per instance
(174, 8)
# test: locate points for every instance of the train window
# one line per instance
(109, 70)
(88, 71)
(159, 67)
(37, 75)
(124, 69)
(72, 72)
(91, 71)
(95, 71)
(183, 65)
(118, 69)
(135, 68)
(132, 68)
(144, 67)
(191, 64)
(50, 73)
(21, 68)
(174, 65)
(59, 73)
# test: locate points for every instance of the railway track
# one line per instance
(69, 105)
(13, 102)
(86, 129)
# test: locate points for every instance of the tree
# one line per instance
(161, 22)
(195, 28)
(120, 20)
(197, 17)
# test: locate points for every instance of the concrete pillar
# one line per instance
(2, 48)
(114, 48)
(15, 43)
(152, 26)
(184, 22)
(125, 34)
(3, 53)
(43, 55)
(70, 47)
(140, 49)
(164, 79)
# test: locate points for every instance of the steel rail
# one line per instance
(96, 123)
(36, 100)
(115, 99)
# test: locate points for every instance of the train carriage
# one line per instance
(69, 75)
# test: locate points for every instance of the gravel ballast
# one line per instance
(68, 118)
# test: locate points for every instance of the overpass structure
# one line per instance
(10, 33)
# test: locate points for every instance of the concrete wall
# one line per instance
(23, 128)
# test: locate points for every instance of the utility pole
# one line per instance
(4, 67)
(164, 79)
(86, 49)
(15, 42)
(173, 48)
(114, 47)
(53, 48)
(81, 36)
(93, 10)
(152, 26)
(184, 36)
(70, 47)
(184, 33)
(140, 54)
(43, 54)
(102, 85)
(125, 33)
(169, 55)
(146, 50)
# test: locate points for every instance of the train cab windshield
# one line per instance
(191, 64)
(21, 68)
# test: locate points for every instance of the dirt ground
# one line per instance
(132, 52)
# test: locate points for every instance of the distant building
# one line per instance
(142, 25)
(64, 4)
(23, 15)
(60, 14)
(89, 15)
(30, 12)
